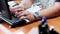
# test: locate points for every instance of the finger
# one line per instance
(19, 9)
(29, 18)
(12, 10)
(24, 18)
(23, 14)
(18, 13)
(16, 7)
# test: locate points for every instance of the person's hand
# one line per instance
(17, 8)
(27, 15)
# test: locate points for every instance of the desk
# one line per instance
(51, 22)
(4, 27)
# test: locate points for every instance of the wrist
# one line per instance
(24, 4)
(36, 16)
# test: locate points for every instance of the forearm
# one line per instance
(49, 12)
(27, 3)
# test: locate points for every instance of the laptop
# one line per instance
(5, 15)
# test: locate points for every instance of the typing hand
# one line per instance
(17, 8)
(27, 15)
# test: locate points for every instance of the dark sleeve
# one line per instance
(57, 1)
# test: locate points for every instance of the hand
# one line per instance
(27, 15)
(17, 8)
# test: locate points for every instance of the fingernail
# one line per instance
(16, 12)
(22, 17)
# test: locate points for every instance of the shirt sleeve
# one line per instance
(57, 1)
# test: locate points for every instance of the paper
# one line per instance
(34, 31)
(19, 32)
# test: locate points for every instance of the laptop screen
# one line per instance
(4, 8)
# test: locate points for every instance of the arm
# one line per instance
(51, 12)
(27, 3)
(23, 4)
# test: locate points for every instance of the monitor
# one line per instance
(4, 8)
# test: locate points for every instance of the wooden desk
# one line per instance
(51, 22)
(4, 28)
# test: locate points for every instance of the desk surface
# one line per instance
(4, 28)
(51, 22)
